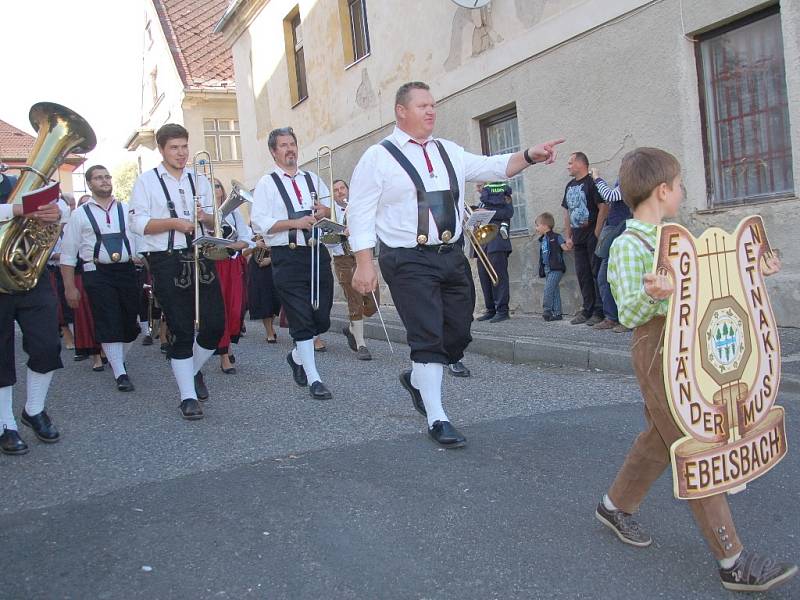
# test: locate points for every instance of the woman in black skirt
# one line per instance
(262, 297)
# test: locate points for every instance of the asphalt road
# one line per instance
(275, 495)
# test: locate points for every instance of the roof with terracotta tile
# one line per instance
(202, 57)
(14, 143)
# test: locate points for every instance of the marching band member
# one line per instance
(97, 234)
(231, 278)
(35, 312)
(263, 302)
(408, 192)
(284, 212)
(344, 264)
(163, 209)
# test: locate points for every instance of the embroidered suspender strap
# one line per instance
(423, 213)
(290, 209)
(646, 244)
(451, 172)
(121, 216)
(96, 228)
(172, 213)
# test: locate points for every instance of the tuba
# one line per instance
(26, 244)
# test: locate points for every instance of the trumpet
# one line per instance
(479, 236)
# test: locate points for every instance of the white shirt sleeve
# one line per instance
(71, 241)
(139, 207)
(485, 168)
(261, 214)
(243, 231)
(366, 187)
(64, 209)
(6, 212)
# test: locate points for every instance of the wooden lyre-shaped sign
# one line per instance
(722, 364)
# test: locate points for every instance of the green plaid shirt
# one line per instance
(628, 262)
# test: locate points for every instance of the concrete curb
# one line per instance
(537, 351)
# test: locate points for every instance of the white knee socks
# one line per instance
(357, 329)
(427, 378)
(183, 369)
(305, 352)
(6, 409)
(115, 353)
(37, 384)
(199, 356)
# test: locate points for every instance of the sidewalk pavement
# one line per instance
(527, 338)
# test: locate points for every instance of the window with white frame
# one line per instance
(500, 135)
(745, 111)
(222, 139)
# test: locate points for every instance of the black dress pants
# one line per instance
(495, 298)
(113, 293)
(587, 265)
(434, 298)
(291, 275)
(175, 294)
(35, 311)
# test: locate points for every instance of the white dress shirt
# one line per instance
(383, 199)
(79, 238)
(268, 207)
(148, 202)
(242, 231)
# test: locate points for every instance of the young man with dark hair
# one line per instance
(98, 234)
(584, 215)
(163, 210)
(651, 185)
(287, 203)
(408, 195)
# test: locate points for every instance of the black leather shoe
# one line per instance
(486, 316)
(444, 434)
(124, 383)
(499, 317)
(319, 391)
(416, 397)
(80, 357)
(351, 339)
(200, 386)
(11, 443)
(458, 369)
(229, 370)
(42, 426)
(191, 409)
(298, 372)
(147, 340)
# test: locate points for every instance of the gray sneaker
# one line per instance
(755, 573)
(624, 525)
(594, 320)
(363, 353)
(579, 319)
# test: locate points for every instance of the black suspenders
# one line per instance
(99, 237)
(291, 213)
(172, 212)
(424, 207)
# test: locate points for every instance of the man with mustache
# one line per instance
(287, 203)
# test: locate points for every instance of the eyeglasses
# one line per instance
(106, 177)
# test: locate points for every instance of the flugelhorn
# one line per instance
(25, 243)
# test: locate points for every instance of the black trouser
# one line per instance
(177, 302)
(495, 298)
(434, 298)
(587, 266)
(114, 299)
(291, 275)
(35, 311)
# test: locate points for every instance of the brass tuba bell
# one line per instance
(26, 244)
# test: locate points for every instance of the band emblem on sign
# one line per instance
(721, 358)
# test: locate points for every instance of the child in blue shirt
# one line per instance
(551, 265)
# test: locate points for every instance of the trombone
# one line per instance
(325, 231)
(212, 247)
(479, 236)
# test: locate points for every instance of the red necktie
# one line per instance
(427, 158)
(297, 191)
